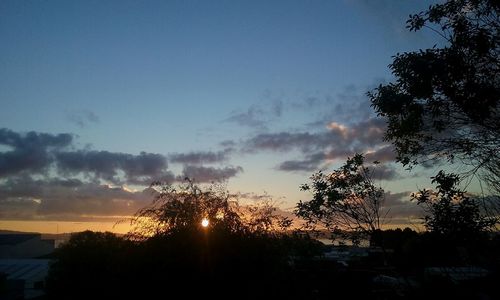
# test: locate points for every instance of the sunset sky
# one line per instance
(100, 98)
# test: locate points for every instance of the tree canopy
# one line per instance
(451, 212)
(346, 199)
(183, 207)
(445, 101)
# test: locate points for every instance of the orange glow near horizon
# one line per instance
(54, 227)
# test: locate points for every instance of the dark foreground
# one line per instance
(219, 265)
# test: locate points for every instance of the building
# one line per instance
(23, 278)
(31, 245)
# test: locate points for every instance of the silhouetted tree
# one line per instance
(450, 212)
(169, 254)
(89, 265)
(445, 101)
(346, 199)
(184, 207)
(262, 217)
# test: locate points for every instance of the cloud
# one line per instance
(364, 134)
(286, 141)
(228, 144)
(336, 141)
(277, 107)
(44, 176)
(200, 157)
(254, 197)
(392, 14)
(40, 153)
(398, 205)
(384, 172)
(252, 118)
(210, 174)
(23, 197)
(321, 160)
(311, 163)
(30, 152)
(259, 115)
(382, 154)
(82, 117)
(114, 167)
(349, 105)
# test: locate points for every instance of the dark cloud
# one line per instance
(200, 157)
(337, 141)
(43, 176)
(360, 135)
(286, 141)
(114, 167)
(30, 152)
(297, 165)
(26, 198)
(368, 133)
(383, 154)
(320, 160)
(311, 163)
(349, 105)
(210, 174)
(34, 140)
(82, 117)
(384, 172)
(42, 153)
(398, 206)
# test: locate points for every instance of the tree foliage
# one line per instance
(169, 254)
(263, 217)
(181, 208)
(450, 212)
(445, 101)
(346, 199)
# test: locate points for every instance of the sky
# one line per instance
(100, 98)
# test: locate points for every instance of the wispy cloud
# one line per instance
(200, 157)
(82, 117)
(320, 148)
(210, 174)
(252, 117)
(334, 141)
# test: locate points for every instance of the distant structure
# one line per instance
(23, 265)
(18, 246)
(23, 278)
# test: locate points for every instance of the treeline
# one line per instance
(184, 264)
(227, 265)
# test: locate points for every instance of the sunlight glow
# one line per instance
(204, 222)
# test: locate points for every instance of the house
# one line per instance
(30, 245)
(23, 278)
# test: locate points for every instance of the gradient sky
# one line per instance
(262, 93)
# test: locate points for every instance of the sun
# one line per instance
(204, 222)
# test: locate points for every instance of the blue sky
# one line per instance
(196, 77)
